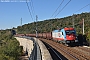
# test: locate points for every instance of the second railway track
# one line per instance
(69, 52)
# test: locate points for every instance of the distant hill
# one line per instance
(52, 24)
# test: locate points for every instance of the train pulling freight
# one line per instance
(65, 35)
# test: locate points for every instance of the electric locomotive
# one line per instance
(65, 35)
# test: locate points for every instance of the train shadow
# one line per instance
(81, 41)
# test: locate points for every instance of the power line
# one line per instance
(57, 8)
(29, 10)
(89, 7)
(63, 8)
(83, 7)
(32, 7)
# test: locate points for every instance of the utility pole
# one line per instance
(36, 25)
(83, 27)
(21, 21)
(51, 25)
(73, 20)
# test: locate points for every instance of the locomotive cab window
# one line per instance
(70, 32)
(62, 33)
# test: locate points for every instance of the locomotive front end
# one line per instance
(71, 35)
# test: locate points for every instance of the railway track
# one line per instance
(54, 53)
(69, 52)
(84, 50)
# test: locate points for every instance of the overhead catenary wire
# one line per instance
(89, 7)
(57, 8)
(29, 10)
(62, 8)
(32, 8)
(82, 7)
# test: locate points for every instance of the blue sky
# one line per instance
(12, 12)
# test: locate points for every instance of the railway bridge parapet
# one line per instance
(35, 48)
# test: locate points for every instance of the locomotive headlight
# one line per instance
(68, 41)
(76, 40)
(76, 37)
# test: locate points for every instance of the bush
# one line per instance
(9, 47)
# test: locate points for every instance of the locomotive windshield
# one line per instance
(70, 32)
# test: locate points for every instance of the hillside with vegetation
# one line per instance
(9, 46)
(58, 23)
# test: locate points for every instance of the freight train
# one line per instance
(66, 35)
